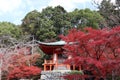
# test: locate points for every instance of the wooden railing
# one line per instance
(55, 65)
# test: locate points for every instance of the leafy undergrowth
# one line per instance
(25, 72)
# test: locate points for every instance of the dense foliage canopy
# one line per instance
(19, 65)
(24, 72)
(86, 18)
(96, 51)
(110, 11)
(51, 22)
(9, 29)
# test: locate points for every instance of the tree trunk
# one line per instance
(113, 75)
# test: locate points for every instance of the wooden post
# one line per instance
(68, 66)
(45, 64)
(73, 67)
(55, 58)
(44, 67)
(56, 65)
(79, 68)
(45, 61)
(50, 67)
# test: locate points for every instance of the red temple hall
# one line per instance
(55, 50)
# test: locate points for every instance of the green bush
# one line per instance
(76, 72)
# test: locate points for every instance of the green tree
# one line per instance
(30, 22)
(35, 24)
(61, 23)
(10, 29)
(51, 22)
(111, 12)
(85, 18)
(46, 25)
(59, 17)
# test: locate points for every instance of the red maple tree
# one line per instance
(12, 63)
(24, 72)
(96, 51)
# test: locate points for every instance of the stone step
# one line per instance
(53, 75)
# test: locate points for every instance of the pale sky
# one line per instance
(15, 10)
